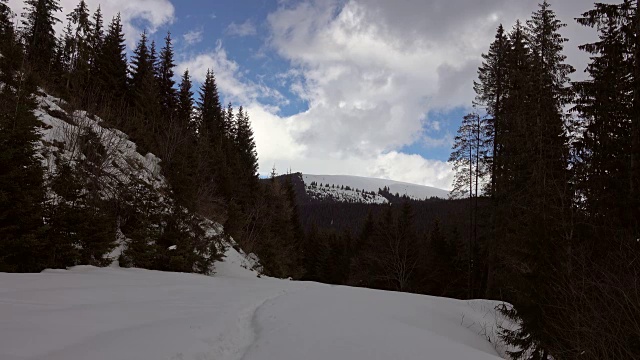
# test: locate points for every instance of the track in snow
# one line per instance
(234, 343)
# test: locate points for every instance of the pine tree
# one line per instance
(231, 125)
(22, 244)
(604, 105)
(536, 158)
(212, 162)
(111, 64)
(209, 108)
(79, 52)
(95, 41)
(246, 147)
(490, 92)
(167, 92)
(38, 33)
(185, 105)
(144, 95)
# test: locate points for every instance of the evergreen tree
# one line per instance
(490, 92)
(166, 91)
(38, 33)
(22, 244)
(144, 95)
(82, 231)
(111, 64)
(95, 41)
(231, 125)
(604, 105)
(537, 160)
(209, 108)
(439, 262)
(79, 52)
(248, 155)
(185, 104)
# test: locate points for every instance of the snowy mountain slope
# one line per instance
(341, 194)
(113, 314)
(418, 192)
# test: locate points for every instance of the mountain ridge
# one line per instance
(370, 184)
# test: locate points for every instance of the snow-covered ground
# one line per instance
(414, 191)
(341, 194)
(112, 313)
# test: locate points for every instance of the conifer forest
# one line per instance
(110, 155)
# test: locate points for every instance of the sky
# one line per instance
(351, 87)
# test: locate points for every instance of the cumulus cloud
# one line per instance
(230, 79)
(194, 36)
(246, 28)
(371, 71)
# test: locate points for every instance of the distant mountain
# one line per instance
(346, 201)
(344, 188)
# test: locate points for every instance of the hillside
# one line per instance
(89, 164)
(357, 183)
(123, 314)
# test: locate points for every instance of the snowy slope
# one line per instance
(122, 314)
(341, 194)
(414, 191)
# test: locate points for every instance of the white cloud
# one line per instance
(153, 14)
(193, 36)
(372, 70)
(247, 28)
(229, 78)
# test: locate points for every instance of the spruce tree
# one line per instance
(185, 106)
(23, 246)
(490, 92)
(111, 64)
(95, 41)
(166, 91)
(209, 108)
(246, 143)
(144, 95)
(536, 159)
(38, 33)
(604, 106)
(80, 48)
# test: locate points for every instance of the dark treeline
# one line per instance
(409, 245)
(207, 153)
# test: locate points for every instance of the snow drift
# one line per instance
(112, 313)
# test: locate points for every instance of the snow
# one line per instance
(122, 161)
(419, 192)
(113, 313)
(336, 193)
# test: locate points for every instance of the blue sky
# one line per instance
(371, 88)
